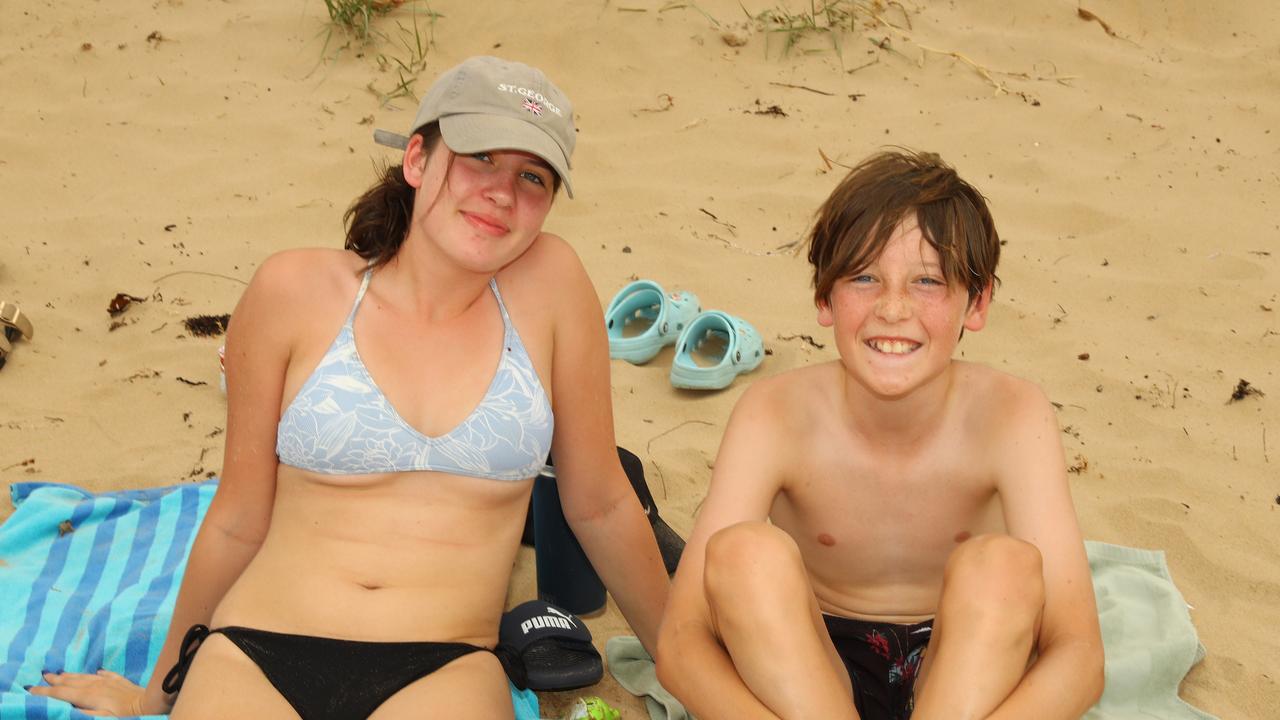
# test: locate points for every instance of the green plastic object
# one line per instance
(592, 708)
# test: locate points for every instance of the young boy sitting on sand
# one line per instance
(893, 528)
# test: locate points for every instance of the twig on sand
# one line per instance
(831, 163)
(733, 230)
(791, 248)
(802, 87)
(988, 74)
(875, 61)
(985, 72)
(199, 272)
(676, 5)
(665, 103)
(807, 338)
(747, 251)
(1087, 15)
(648, 450)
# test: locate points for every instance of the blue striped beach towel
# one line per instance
(88, 581)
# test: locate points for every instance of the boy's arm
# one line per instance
(691, 662)
(1067, 677)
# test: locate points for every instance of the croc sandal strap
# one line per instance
(743, 351)
(645, 300)
(14, 320)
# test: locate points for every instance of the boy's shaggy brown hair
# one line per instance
(855, 223)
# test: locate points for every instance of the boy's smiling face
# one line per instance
(898, 321)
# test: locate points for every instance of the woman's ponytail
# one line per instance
(378, 221)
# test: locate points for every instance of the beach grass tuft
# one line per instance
(405, 49)
(682, 5)
(355, 17)
(831, 19)
(412, 58)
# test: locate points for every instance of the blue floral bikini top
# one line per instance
(340, 423)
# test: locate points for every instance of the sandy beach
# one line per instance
(164, 148)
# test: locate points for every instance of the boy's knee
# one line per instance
(743, 557)
(997, 568)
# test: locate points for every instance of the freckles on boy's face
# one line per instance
(897, 321)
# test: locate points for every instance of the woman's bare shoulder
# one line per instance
(548, 253)
(550, 276)
(308, 269)
(305, 278)
(293, 288)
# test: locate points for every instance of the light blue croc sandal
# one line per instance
(713, 350)
(643, 318)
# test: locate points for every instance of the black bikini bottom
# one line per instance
(332, 679)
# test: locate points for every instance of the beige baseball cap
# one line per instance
(488, 103)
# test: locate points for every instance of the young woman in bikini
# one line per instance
(388, 407)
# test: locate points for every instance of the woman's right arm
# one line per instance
(259, 343)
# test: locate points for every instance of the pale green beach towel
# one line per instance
(631, 666)
(1147, 633)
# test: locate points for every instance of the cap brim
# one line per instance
(390, 139)
(473, 132)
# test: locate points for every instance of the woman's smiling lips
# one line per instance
(486, 224)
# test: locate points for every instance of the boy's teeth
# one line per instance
(893, 347)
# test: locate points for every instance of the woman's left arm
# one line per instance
(603, 510)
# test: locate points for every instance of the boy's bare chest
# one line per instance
(886, 527)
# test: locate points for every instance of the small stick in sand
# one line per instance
(1091, 17)
(739, 248)
(199, 272)
(875, 61)
(1086, 15)
(648, 449)
(831, 163)
(728, 226)
(807, 338)
(802, 87)
(665, 103)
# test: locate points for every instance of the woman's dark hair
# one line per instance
(378, 221)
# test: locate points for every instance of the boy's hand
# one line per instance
(102, 693)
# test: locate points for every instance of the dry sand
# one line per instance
(163, 148)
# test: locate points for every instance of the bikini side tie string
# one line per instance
(190, 644)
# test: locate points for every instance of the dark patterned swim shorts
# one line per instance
(883, 660)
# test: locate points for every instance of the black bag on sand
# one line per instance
(669, 542)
